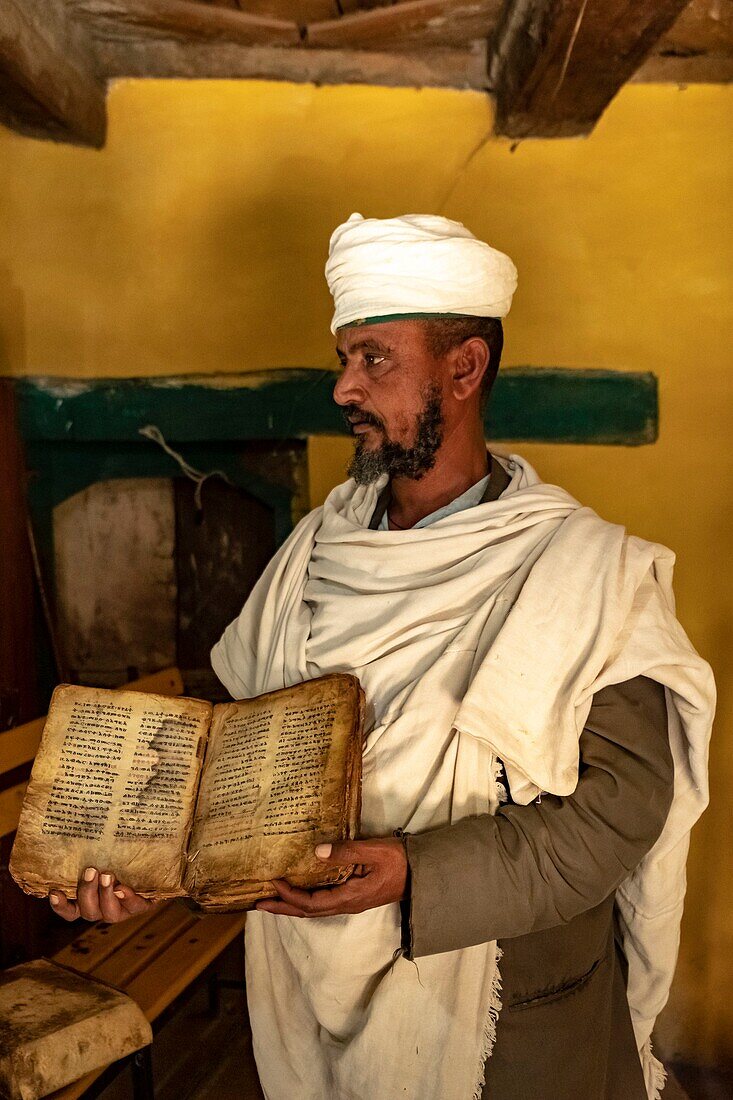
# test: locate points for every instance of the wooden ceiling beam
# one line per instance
(556, 64)
(426, 68)
(48, 74)
(698, 48)
(297, 11)
(442, 23)
(185, 19)
(704, 27)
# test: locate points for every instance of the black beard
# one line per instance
(393, 458)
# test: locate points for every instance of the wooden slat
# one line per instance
(172, 971)
(19, 745)
(98, 941)
(183, 18)
(703, 27)
(180, 964)
(696, 69)
(77, 1088)
(10, 802)
(301, 11)
(166, 682)
(419, 68)
(556, 64)
(413, 22)
(697, 48)
(131, 958)
(48, 74)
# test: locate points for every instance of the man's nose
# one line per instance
(348, 389)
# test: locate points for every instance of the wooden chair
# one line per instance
(154, 958)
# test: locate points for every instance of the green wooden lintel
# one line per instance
(543, 404)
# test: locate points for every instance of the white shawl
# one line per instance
(483, 635)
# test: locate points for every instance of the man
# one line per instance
(530, 695)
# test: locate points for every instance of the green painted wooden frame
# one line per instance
(528, 403)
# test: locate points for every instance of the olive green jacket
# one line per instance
(540, 879)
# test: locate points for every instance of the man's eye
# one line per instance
(374, 360)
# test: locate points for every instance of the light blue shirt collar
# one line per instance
(472, 496)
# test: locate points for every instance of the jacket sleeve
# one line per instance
(533, 867)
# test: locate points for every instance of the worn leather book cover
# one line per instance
(56, 1025)
(177, 797)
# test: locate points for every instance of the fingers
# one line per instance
(365, 852)
(100, 897)
(87, 895)
(109, 904)
(130, 902)
(352, 897)
(63, 906)
(281, 908)
(381, 879)
(294, 895)
(345, 851)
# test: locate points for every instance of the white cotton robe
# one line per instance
(483, 635)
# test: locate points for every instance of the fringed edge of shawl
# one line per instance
(488, 1036)
(655, 1075)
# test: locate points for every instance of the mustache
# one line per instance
(352, 414)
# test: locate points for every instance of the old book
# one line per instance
(56, 1025)
(177, 797)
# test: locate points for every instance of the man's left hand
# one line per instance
(380, 878)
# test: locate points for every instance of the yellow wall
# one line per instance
(195, 241)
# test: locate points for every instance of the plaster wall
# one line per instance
(195, 241)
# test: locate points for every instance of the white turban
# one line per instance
(416, 265)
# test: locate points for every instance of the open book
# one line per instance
(177, 797)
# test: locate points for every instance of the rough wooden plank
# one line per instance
(98, 941)
(89, 951)
(169, 975)
(166, 682)
(130, 959)
(234, 527)
(18, 746)
(413, 22)
(703, 27)
(174, 970)
(556, 64)
(301, 11)
(435, 68)
(48, 77)
(113, 616)
(697, 48)
(77, 1088)
(544, 404)
(11, 801)
(674, 69)
(118, 19)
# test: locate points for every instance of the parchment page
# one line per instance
(113, 786)
(278, 779)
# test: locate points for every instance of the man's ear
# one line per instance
(469, 367)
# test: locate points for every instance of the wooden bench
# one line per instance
(155, 957)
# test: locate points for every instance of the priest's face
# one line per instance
(391, 394)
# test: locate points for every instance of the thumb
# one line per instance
(340, 851)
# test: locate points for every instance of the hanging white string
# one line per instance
(153, 433)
